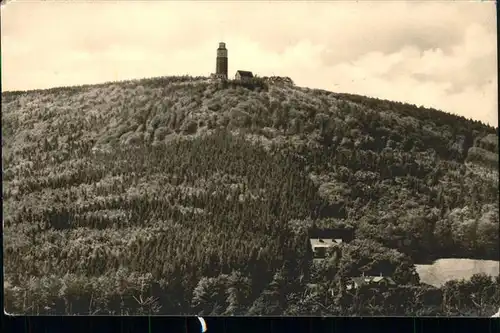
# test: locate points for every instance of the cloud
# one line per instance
(462, 81)
(438, 54)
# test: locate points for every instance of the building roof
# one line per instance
(324, 242)
(361, 280)
(245, 73)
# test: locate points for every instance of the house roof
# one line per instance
(361, 280)
(324, 242)
(245, 73)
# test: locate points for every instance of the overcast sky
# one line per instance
(438, 54)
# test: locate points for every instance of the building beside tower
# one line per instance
(221, 67)
(243, 76)
(222, 63)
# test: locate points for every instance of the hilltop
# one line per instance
(199, 194)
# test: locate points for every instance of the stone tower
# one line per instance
(221, 66)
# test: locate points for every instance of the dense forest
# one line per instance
(178, 195)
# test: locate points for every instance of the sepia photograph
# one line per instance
(250, 158)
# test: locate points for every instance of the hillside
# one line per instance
(179, 195)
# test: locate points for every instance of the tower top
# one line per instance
(222, 45)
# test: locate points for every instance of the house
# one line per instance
(319, 246)
(359, 281)
(321, 239)
(243, 76)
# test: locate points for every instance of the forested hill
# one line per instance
(178, 195)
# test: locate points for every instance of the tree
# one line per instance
(238, 294)
(484, 294)
(371, 258)
(272, 300)
(209, 295)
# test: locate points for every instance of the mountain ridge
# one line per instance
(217, 182)
(279, 80)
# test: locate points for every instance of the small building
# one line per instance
(321, 239)
(319, 246)
(359, 281)
(243, 76)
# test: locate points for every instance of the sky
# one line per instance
(439, 54)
